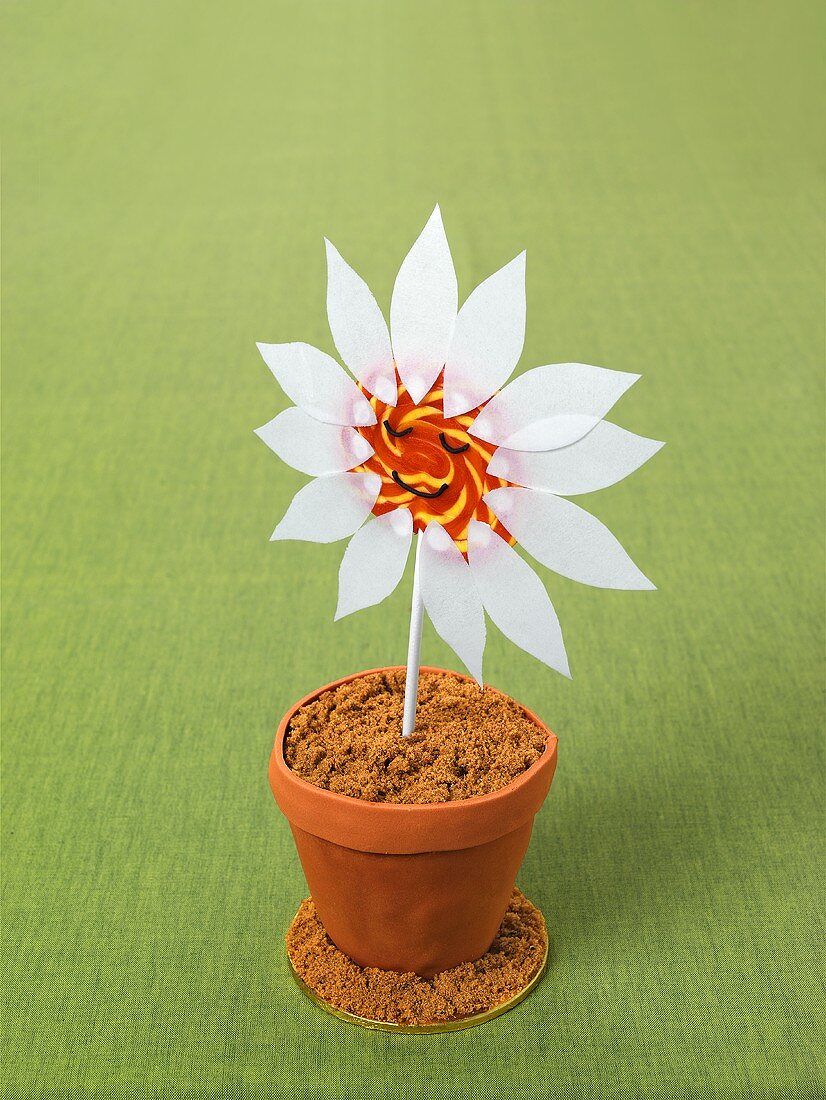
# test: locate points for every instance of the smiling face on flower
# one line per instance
(427, 437)
(430, 465)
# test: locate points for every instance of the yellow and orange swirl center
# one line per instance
(430, 465)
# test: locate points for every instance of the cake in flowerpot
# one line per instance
(411, 791)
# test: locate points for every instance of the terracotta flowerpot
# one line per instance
(410, 887)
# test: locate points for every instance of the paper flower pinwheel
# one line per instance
(424, 438)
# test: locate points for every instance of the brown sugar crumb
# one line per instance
(467, 741)
(512, 960)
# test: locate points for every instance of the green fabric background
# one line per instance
(170, 170)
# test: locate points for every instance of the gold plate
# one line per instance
(456, 1024)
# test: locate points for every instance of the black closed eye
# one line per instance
(398, 435)
(453, 450)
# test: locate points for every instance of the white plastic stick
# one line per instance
(414, 645)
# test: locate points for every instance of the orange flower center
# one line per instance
(430, 465)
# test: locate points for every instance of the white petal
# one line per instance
(487, 343)
(423, 309)
(359, 329)
(329, 508)
(603, 457)
(553, 432)
(374, 561)
(550, 406)
(514, 597)
(566, 538)
(451, 599)
(312, 447)
(316, 383)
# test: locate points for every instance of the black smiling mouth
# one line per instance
(418, 492)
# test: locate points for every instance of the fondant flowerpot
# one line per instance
(410, 887)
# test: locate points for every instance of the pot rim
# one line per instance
(401, 828)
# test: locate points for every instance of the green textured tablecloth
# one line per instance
(170, 170)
